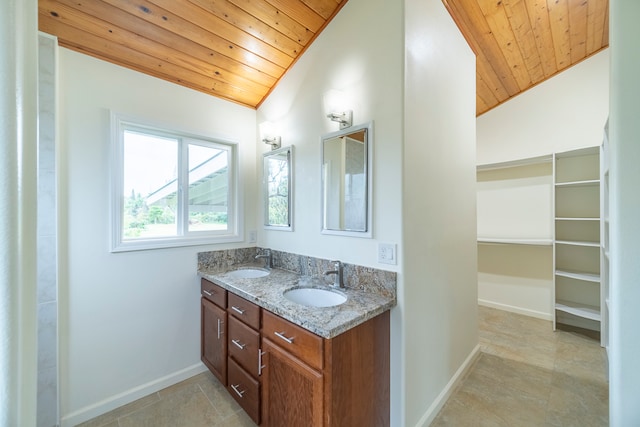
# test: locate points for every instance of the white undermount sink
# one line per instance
(248, 273)
(315, 297)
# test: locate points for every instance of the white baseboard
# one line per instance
(444, 395)
(513, 309)
(128, 396)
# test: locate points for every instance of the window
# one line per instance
(171, 188)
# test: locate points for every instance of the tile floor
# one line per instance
(526, 375)
(200, 401)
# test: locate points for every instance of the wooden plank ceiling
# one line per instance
(233, 49)
(239, 49)
(520, 43)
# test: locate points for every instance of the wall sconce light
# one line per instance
(335, 107)
(268, 135)
(345, 118)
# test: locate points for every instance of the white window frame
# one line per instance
(121, 123)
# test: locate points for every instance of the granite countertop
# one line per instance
(328, 322)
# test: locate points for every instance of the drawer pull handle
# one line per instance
(207, 293)
(237, 343)
(237, 310)
(220, 322)
(260, 365)
(236, 388)
(281, 336)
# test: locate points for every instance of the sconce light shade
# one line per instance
(336, 108)
(268, 135)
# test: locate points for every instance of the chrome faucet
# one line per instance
(338, 281)
(268, 258)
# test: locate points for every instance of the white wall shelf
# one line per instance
(585, 183)
(587, 277)
(578, 243)
(577, 219)
(556, 199)
(583, 311)
(577, 248)
(515, 163)
(534, 242)
(515, 235)
(604, 239)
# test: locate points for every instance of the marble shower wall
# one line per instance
(47, 402)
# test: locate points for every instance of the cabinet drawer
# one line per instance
(244, 310)
(243, 345)
(245, 390)
(214, 293)
(293, 339)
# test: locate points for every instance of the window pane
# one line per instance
(208, 188)
(150, 186)
(277, 170)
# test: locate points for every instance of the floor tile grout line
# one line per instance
(127, 414)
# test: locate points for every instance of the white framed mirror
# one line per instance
(347, 157)
(278, 189)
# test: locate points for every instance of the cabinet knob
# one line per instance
(207, 293)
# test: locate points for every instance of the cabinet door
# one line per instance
(292, 392)
(213, 350)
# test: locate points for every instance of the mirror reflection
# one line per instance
(346, 182)
(277, 166)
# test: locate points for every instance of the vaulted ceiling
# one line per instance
(232, 49)
(239, 49)
(520, 43)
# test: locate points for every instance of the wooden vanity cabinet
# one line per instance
(311, 381)
(284, 375)
(213, 327)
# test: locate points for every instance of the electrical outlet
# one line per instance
(387, 253)
(253, 236)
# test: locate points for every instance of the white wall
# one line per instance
(565, 112)
(18, 186)
(434, 327)
(359, 53)
(355, 65)
(129, 322)
(123, 310)
(624, 136)
(438, 297)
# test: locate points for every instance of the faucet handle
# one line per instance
(336, 264)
